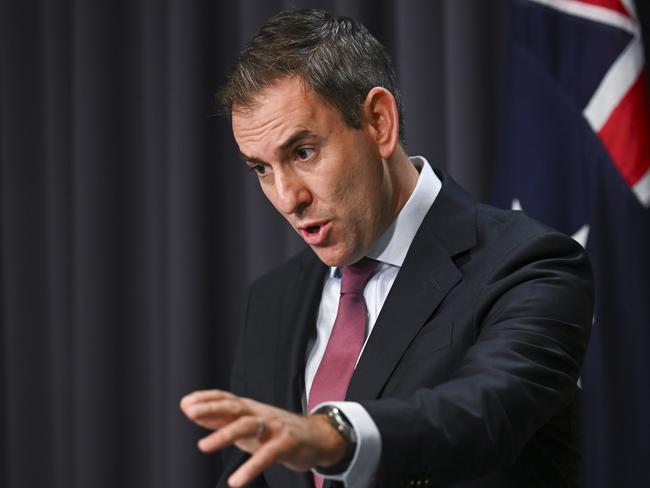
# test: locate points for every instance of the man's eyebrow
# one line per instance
(297, 136)
(293, 139)
(249, 159)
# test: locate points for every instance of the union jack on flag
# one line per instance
(574, 153)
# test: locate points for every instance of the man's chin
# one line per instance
(334, 257)
(327, 255)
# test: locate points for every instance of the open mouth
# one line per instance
(315, 234)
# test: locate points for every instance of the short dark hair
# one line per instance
(335, 56)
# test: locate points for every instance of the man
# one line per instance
(455, 331)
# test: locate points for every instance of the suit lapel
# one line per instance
(300, 309)
(426, 277)
(423, 282)
(298, 324)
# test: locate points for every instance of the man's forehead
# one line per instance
(278, 91)
(273, 129)
(278, 113)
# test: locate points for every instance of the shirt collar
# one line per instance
(391, 247)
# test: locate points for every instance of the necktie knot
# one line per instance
(355, 276)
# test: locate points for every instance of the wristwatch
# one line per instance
(343, 427)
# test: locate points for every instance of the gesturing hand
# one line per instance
(269, 434)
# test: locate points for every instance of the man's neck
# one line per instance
(403, 176)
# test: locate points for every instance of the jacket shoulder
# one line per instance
(279, 278)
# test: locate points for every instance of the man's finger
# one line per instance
(265, 456)
(214, 415)
(242, 428)
(219, 408)
(204, 395)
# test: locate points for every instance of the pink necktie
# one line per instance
(348, 335)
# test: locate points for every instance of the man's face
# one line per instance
(327, 179)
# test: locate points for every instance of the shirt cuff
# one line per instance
(361, 471)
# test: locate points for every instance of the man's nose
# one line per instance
(292, 195)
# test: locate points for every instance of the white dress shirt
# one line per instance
(390, 250)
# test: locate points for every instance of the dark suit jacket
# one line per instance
(470, 371)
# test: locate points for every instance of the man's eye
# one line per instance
(260, 169)
(304, 153)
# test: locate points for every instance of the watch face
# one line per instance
(342, 425)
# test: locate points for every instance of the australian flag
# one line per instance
(574, 152)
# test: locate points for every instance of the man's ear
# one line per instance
(380, 111)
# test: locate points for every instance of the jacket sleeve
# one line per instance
(532, 317)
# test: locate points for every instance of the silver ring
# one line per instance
(261, 427)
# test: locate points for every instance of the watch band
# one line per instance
(339, 421)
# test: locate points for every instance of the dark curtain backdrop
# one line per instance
(129, 230)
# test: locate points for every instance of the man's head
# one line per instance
(335, 56)
(331, 165)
